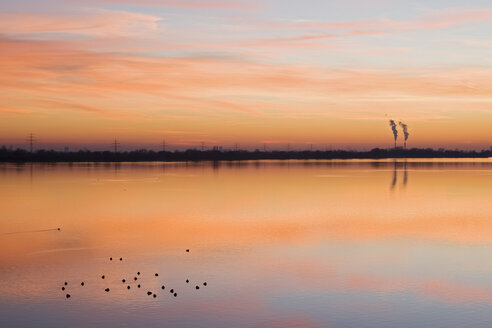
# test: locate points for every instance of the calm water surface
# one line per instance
(280, 244)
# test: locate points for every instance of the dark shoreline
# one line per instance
(192, 155)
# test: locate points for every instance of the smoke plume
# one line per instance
(405, 131)
(395, 131)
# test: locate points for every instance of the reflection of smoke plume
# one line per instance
(405, 174)
(405, 131)
(396, 168)
(395, 177)
(395, 131)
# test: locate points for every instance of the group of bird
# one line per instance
(149, 293)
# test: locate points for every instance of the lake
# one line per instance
(405, 243)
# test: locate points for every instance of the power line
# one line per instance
(115, 145)
(31, 138)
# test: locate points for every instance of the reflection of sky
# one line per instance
(278, 245)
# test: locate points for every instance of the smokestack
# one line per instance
(395, 131)
(405, 132)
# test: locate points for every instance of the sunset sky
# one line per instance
(332, 73)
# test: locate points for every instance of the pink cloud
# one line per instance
(453, 17)
(434, 20)
(94, 22)
(187, 4)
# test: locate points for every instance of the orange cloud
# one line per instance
(70, 69)
(59, 77)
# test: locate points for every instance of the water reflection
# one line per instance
(393, 182)
(395, 174)
(405, 173)
(299, 243)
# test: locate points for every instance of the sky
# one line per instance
(273, 73)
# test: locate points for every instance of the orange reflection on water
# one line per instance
(342, 226)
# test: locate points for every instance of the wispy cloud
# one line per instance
(91, 22)
(208, 85)
(186, 4)
(439, 19)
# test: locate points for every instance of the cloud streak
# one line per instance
(185, 4)
(204, 85)
(94, 22)
(439, 19)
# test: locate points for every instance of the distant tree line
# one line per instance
(21, 155)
